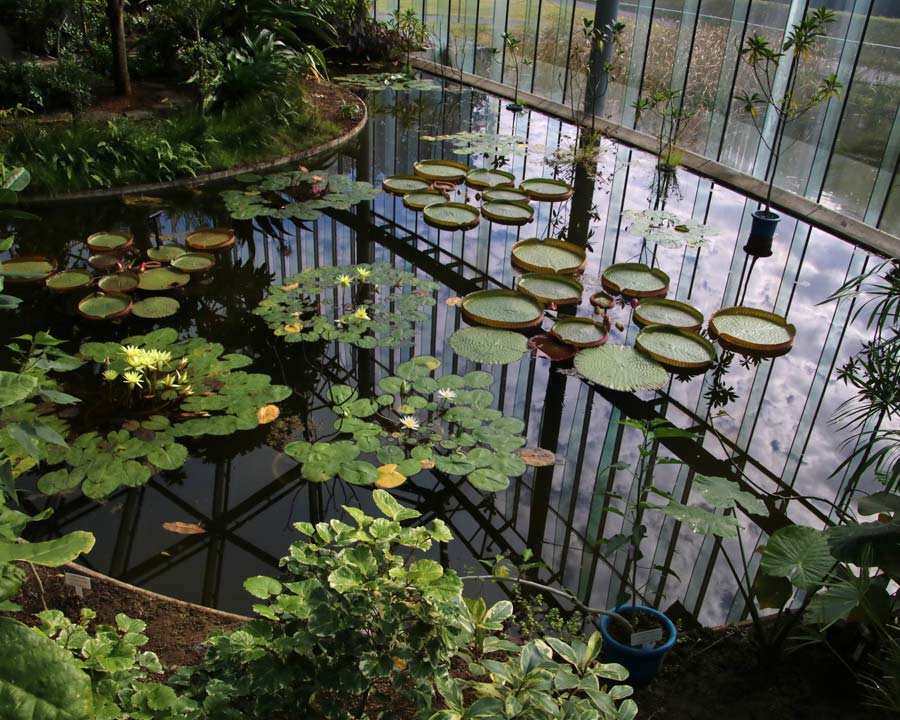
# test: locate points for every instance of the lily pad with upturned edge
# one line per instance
(104, 261)
(579, 332)
(208, 239)
(420, 199)
(27, 269)
(488, 345)
(121, 282)
(403, 184)
(553, 256)
(105, 306)
(452, 216)
(505, 193)
(155, 307)
(159, 279)
(165, 253)
(659, 311)
(482, 178)
(549, 288)
(676, 348)
(505, 212)
(194, 262)
(69, 280)
(446, 170)
(752, 329)
(109, 242)
(622, 368)
(546, 189)
(502, 309)
(635, 280)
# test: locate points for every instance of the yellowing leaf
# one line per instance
(537, 457)
(388, 477)
(267, 414)
(426, 464)
(432, 363)
(454, 301)
(295, 328)
(291, 286)
(183, 528)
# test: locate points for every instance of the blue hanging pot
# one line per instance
(764, 224)
(642, 664)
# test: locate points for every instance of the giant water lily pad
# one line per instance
(635, 280)
(482, 178)
(209, 239)
(27, 269)
(122, 282)
(659, 311)
(753, 330)
(109, 242)
(579, 332)
(675, 348)
(69, 280)
(420, 199)
(548, 256)
(105, 306)
(509, 194)
(547, 189)
(489, 345)
(556, 289)
(502, 309)
(104, 261)
(452, 216)
(194, 262)
(446, 170)
(155, 307)
(159, 279)
(618, 367)
(504, 212)
(165, 253)
(403, 184)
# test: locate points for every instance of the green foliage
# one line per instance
(376, 82)
(63, 85)
(364, 305)
(418, 421)
(667, 229)
(670, 120)
(310, 193)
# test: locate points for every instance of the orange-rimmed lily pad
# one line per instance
(745, 329)
(659, 311)
(635, 280)
(27, 269)
(548, 256)
(209, 239)
(502, 309)
(579, 332)
(104, 261)
(165, 253)
(509, 194)
(121, 282)
(550, 288)
(547, 189)
(106, 242)
(159, 279)
(420, 199)
(482, 178)
(105, 306)
(676, 349)
(445, 170)
(194, 262)
(452, 216)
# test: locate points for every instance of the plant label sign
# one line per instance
(79, 582)
(646, 639)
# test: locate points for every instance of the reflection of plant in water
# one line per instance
(365, 305)
(419, 422)
(667, 229)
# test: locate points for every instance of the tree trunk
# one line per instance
(116, 17)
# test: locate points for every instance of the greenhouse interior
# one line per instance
(449, 359)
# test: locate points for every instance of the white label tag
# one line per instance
(79, 582)
(646, 639)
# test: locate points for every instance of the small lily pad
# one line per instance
(446, 170)
(489, 345)
(69, 280)
(548, 288)
(104, 261)
(105, 306)
(622, 368)
(676, 349)
(509, 194)
(504, 212)
(152, 308)
(635, 280)
(482, 178)
(121, 282)
(208, 239)
(547, 189)
(159, 279)
(105, 242)
(194, 262)
(603, 301)
(420, 199)
(27, 269)
(165, 253)
(502, 309)
(659, 311)
(548, 256)
(403, 184)
(750, 329)
(551, 348)
(452, 216)
(579, 332)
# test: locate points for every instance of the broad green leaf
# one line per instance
(702, 521)
(391, 508)
(799, 554)
(50, 553)
(15, 387)
(262, 587)
(488, 480)
(723, 493)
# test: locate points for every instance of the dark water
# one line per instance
(247, 494)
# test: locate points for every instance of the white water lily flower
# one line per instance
(446, 394)
(410, 422)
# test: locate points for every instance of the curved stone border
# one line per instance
(95, 575)
(797, 206)
(190, 182)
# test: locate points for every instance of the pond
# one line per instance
(246, 493)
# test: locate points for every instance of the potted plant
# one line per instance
(785, 99)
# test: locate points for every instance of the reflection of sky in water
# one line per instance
(780, 418)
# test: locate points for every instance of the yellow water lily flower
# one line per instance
(361, 314)
(110, 375)
(364, 273)
(134, 379)
(389, 477)
(345, 280)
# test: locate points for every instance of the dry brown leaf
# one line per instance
(537, 457)
(267, 414)
(426, 464)
(183, 528)
(454, 301)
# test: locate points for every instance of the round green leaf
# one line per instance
(488, 480)
(799, 554)
(491, 346)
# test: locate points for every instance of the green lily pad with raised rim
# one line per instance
(207, 239)
(403, 184)
(446, 170)
(160, 279)
(548, 288)
(603, 301)
(509, 194)
(155, 307)
(635, 280)
(194, 262)
(675, 348)
(165, 253)
(105, 306)
(547, 189)
(502, 309)
(104, 261)
(659, 311)
(421, 199)
(622, 368)
(548, 256)
(27, 269)
(105, 242)
(579, 332)
(451, 216)
(483, 178)
(504, 212)
(122, 282)
(489, 345)
(69, 280)
(751, 329)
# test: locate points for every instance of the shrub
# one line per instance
(63, 85)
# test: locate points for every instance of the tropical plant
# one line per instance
(513, 46)
(670, 121)
(794, 101)
(594, 61)
(413, 33)
(365, 305)
(418, 422)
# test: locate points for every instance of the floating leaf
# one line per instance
(537, 457)
(620, 368)
(659, 311)
(488, 345)
(668, 230)
(550, 256)
(160, 279)
(505, 193)
(165, 253)
(579, 332)
(548, 288)
(109, 241)
(210, 239)
(547, 189)
(551, 348)
(120, 282)
(389, 477)
(506, 212)
(635, 280)
(69, 280)
(105, 306)
(155, 307)
(676, 348)
(752, 329)
(420, 199)
(193, 262)
(445, 170)
(183, 528)
(452, 216)
(267, 414)
(481, 178)
(403, 184)
(27, 269)
(503, 309)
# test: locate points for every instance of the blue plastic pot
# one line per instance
(642, 664)
(764, 225)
